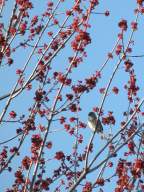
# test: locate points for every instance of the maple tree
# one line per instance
(41, 57)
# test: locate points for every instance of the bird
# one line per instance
(94, 123)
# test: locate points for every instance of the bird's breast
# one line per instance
(91, 125)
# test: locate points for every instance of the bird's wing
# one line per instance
(99, 127)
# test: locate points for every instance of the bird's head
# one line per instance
(91, 116)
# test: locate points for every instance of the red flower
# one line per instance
(13, 114)
(44, 184)
(115, 90)
(50, 4)
(131, 146)
(56, 21)
(118, 49)
(109, 119)
(29, 86)
(3, 154)
(79, 88)
(18, 71)
(34, 20)
(71, 132)
(12, 31)
(120, 36)
(69, 96)
(102, 90)
(39, 95)
(100, 181)
(26, 162)
(142, 10)
(128, 64)
(129, 50)
(55, 45)
(10, 61)
(98, 74)
(87, 187)
(14, 150)
(23, 27)
(49, 144)
(94, 3)
(123, 24)
(36, 140)
(118, 189)
(38, 29)
(19, 177)
(134, 26)
(110, 55)
(120, 167)
(59, 155)
(139, 164)
(91, 82)
(80, 139)
(107, 13)
(68, 81)
(140, 2)
(72, 119)
(50, 33)
(110, 164)
(68, 12)
(62, 119)
(61, 78)
(67, 127)
(73, 108)
(82, 125)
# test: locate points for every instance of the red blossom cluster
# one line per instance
(3, 157)
(108, 119)
(132, 88)
(26, 162)
(134, 25)
(140, 2)
(131, 146)
(118, 49)
(24, 4)
(123, 181)
(29, 124)
(89, 84)
(39, 95)
(59, 155)
(74, 108)
(123, 168)
(35, 31)
(41, 69)
(137, 168)
(19, 177)
(81, 41)
(87, 187)
(13, 114)
(115, 90)
(123, 25)
(36, 144)
(49, 144)
(62, 79)
(128, 65)
(22, 28)
(34, 20)
(100, 181)
(76, 61)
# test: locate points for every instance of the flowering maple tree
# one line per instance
(45, 92)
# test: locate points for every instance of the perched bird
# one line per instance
(93, 124)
